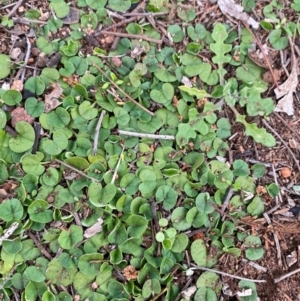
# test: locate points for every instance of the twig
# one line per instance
(9, 232)
(263, 52)
(97, 132)
(286, 124)
(195, 232)
(160, 294)
(39, 245)
(28, 21)
(76, 170)
(127, 95)
(132, 36)
(276, 280)
(283, 62)
(16, 295)
(255, 265)
(7, 277)
(184, 288)
(145, 14)
(28, 50)
(115, 95)
(226, 201)
(124, 21)
(278, 136)
(276, 241)
(117, 167)
(258, 162)
(14, 9)
(7, 6)
(144, 135)
(276, 182)
(224, 274)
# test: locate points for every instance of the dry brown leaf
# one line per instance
(235, 10)
(17, 85)
(93, 230)
(51, 100)
(130, 273)
(19, 114)
(286, 90)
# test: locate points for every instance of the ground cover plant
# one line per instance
(124, 130)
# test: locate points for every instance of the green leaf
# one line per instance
(34, 107)
(39, 212)
(205, 294)
(260, 135)
(44, 45)
(198, 33)
(89, 264)
(119, 5)
(35, 85)
(176, 33)
(25, 139)
(199, 94)
(71, 48)
(5, 65)
(167, 195)
(60, 275)
(179, 220)
(165, 95)
(60, 7)
(11, 97)
(256, 207)
(278, 41)
(68, 239)
(11, 210)
(253, 245)
(273, 190)
(199, 252)
(240, 168)
(185, 132)
(137, 225)
(219, 35)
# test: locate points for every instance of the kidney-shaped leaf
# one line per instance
(69, 238)
(25, 139)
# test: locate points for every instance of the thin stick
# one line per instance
(132, 36)
(145, 14)
(39, 245)
(278, 136)
(184, 288)
(7, 277)
(28, 21)
(117, 167)
(144, 135)
(28, 50)
(97, 132)
(226, 201)
(276, 241)
(276, 280)
(7, 6)
(160, 294)
(224, 274)
(276, 182)
(76, 170)
(124, 21)
(114, 95)
(286, 124)
(127, 95)
(265, 56)
(9, 232)
(14, 9)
